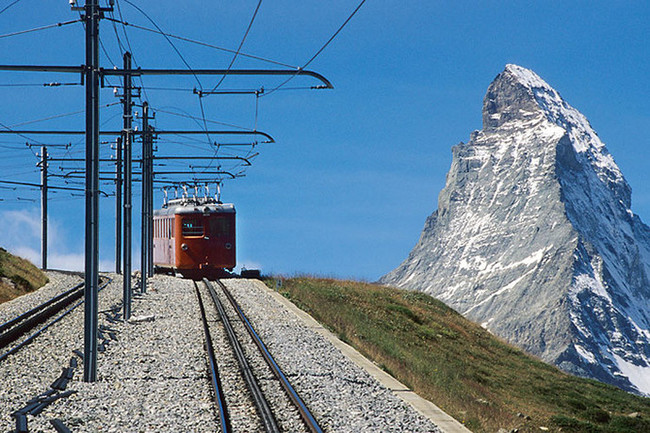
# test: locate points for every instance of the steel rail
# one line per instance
(305, 413)
(36, 309)
(44, 328)
(219, 399)
(13, 329)
(263, 408)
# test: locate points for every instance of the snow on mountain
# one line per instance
(535, 239)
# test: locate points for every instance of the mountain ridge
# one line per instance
(535, 239)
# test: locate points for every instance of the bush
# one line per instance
(597, 415)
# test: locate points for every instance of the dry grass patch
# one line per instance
(18, 276)
(477, 378)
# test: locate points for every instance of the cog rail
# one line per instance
(305, 413)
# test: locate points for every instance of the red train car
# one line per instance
(194, 237)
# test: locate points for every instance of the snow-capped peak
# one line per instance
(531, 90)
(528, 77)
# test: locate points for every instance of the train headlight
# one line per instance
(228, 246)
(184, 247)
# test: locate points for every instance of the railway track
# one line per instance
(276, 403)
(13, 330)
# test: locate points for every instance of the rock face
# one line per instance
(534, 238)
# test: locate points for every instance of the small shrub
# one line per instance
(572, 425)
(576, 405)
(597, 415)
(404, 311)
(625, 424)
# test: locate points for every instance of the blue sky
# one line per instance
(356, 170)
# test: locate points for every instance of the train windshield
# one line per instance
(220, 227)
(192, 227)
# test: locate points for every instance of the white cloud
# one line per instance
(21, 229)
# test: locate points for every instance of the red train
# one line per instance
(194, 237)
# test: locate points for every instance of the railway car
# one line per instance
(194, 237)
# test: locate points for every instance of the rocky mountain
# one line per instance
(535, 239)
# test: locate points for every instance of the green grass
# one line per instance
(23, 276)
(477, 378)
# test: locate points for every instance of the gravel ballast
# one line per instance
(150, 378)
(152, 375)
(342, 396)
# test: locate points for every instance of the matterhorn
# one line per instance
(534, 238)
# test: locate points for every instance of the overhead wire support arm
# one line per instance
(38, 185)
(228, 92)
(44, 68)
(168, 173)
(246, 161)
(245, 72)
(157, 132)
(140, 72)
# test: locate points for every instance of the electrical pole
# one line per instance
(128, 167)
(44, 207)
(91, 76)
(118, 205)
(150, 198)
(144, 227)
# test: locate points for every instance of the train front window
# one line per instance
(192, 227)
(219, 227)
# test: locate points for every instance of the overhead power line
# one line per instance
(51, 26)
(188, 116)
(319, 51)
(205, 44)
(167, 38)
(241, 44)
(8, 6)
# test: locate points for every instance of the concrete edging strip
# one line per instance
(425, 407)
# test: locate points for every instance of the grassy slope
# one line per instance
(477, 378)
(25, 276)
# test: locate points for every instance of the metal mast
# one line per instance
(128, 167)
(44, 207)
(144, 235)
(91, 73)
(118, 205)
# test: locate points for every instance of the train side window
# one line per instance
(220, 227)
(192, 227)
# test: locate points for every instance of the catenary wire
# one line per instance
(182, 59)
(189, 116)
(241, 44)
(36, 29)
(166, 38)
(128, 42)
(317, 52)
(8, 6)
(205, 44)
